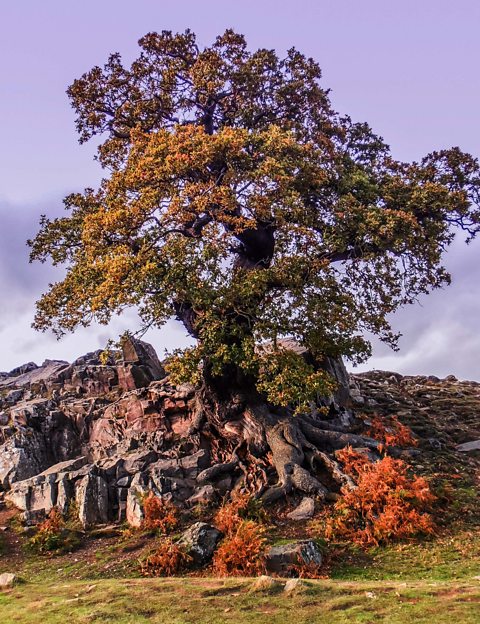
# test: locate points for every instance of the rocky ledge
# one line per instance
(102, 435)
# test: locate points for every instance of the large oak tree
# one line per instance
(237, 201)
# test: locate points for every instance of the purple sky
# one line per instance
(409, 68)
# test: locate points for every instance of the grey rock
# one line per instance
(91, 494)
(13, 396)
(7, 580)
(466, 447)
(284, 560)
(49, 370)
(304, 511)
(203, 495)
(134, 508)
(201, 540)
(138, 461)
(124, 482)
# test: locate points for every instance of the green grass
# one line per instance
(195, 600)
(448, 558)
(417, 582)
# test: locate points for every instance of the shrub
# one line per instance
(309, 570)
(50, 534)
(159, 514)
(242, 552)
(386, 505)
(168, 559)
(241, 507)
(391, 432)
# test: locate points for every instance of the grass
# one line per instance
(447, 558)
(195, 600)
(434, 580)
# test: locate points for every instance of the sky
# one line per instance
(409, 68)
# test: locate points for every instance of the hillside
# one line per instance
(420, 580)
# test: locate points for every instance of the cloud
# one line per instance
(440, 335)
(22, 283)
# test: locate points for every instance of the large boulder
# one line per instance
(36, 435)
(91, 495)
(141, 364)
(288, 559)
(200, 540)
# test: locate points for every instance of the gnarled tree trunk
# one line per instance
(268, 450)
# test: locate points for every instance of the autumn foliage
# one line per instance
(159, 514)
(390, 432)
(168, 559)
(229, 516)
(386, 505)
(237, 201)
(242, 551)
(49, 533)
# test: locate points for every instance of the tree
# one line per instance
(239, 202)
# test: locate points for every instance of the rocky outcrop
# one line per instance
(304, 511)
(100, 434)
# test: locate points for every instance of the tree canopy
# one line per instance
(238, 201)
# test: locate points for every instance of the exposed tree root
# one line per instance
(272, 453)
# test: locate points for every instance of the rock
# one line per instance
(141, 364)
(137, 461)
(48, 371)
(91, 494)
(201, 540)
(356, 396)
(264, 583)
(7, 580)
(294, 586)
(51, 488)
(124, 482)
(304, 511)
(285, 559)
(13, 396)
(466, 447)
(134, 508)
(203, 495)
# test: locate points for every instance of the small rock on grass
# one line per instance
(294, 585)
(8, 580)
(201, 540)
(264, 583)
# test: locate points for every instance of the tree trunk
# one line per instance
(268, 450)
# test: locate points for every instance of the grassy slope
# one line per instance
(437, 580)
(208, 600)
